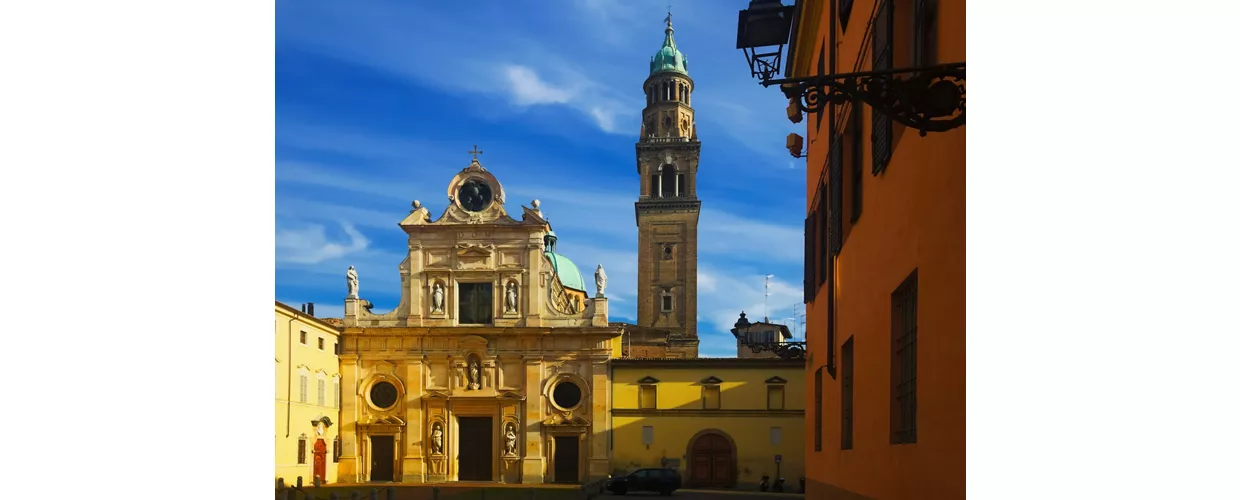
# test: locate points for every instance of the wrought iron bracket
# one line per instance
(929, 99)
(785, 350)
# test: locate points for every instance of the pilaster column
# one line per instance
(412, 470)
(600, 418)
(535, 455)
(346, 470)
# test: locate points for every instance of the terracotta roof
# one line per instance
(686, 362)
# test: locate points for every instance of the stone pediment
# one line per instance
(433, 394)
(382, 420)
(562, 420)
(510, 395)
(776, 380)
(648, 380)
(711, 380)
(474, 256)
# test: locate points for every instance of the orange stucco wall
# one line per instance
(912, 218)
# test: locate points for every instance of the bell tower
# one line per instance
(667, 207)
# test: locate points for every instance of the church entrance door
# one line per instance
(382, 458)
(320, 460)
(566, 459)
(711, 462)
(474, 454)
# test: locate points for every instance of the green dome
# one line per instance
(568, 273)
(669, 58)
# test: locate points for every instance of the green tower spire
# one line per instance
(669, 58)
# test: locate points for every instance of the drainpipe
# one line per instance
(288, 400)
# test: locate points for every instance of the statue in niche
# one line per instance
(437, 439)
(510, 302)
(600, 280)
(510, 440)
(437, 298)
(474, 375)
(351, 278)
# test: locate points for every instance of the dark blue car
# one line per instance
(662, 481)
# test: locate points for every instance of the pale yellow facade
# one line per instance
(307, 391)
(722, 422)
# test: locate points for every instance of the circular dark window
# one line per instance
(383, 394)
(566, 395)
(474, 195)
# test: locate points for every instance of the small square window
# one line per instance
(667, 303)
(303, 337)
(321, 343)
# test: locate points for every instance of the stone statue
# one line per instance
(510, 305)
(510, 440)
(437, 438)
(437, 298)
(351, 277)
(600, 280)
(474, 380)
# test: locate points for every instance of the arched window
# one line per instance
(668, 180)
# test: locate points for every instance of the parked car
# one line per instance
(663, 481)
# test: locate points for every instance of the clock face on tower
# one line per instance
(474, 195)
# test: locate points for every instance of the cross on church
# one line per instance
(475, 152)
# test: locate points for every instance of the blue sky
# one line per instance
(377, 103)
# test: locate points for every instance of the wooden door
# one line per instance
(474, 454)
(382, 458)
(567, 459)
(320, 460)
(711, 462)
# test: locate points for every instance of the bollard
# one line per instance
(483, 492)
(317, 481)
(279, 483)
(356, 495)
(374, 494)
(435, 493)
(299, 482)
(391, 493)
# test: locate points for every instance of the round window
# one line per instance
(383, 395)
(566, 395)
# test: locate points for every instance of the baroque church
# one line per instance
(496, 365)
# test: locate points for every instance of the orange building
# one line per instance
(884, 247)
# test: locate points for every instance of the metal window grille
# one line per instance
(904, 362)
(301, 449)
(846, 395)
(818, 410)
(881, 127)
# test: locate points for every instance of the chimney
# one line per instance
(303, 309)
(310, 308)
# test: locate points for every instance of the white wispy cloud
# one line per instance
(729, 293)
(528, 89)
(310, 244)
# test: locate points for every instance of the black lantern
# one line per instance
(761, 27)
(783, 349)
(929, 98)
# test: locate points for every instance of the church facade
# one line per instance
(495, 364)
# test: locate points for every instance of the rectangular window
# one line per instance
(777, 436)
(305, 388)
(667, 303)
(904, 362)
(855, 160)
(846, 395)
(648, 398)
(810, 278)
(475, 303)
(824, 230)
(336, 450)
(301, 450)
(925, 33)
(321, 343)
(336, 389)
(647, 435)
(881, 53)
(654, 186)
(303, 337)
(818, 410)
(774, 397)
(680, 185)
(710, 397)
(322, 393)
(336, 348)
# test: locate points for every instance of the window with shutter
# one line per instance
(322, 393)
(881, 128)
(856, 161)
(811, 274)
(336, 390)
(822, 70)
(846, 395)
(835, 187)
(904, 362)
(305, 388)
(925, 33)
(824, 228)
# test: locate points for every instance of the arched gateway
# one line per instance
(712, 460)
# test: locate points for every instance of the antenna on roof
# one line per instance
(766, 299)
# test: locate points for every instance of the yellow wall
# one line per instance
(743, 417)
(293, 418)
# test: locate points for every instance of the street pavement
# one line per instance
(690, 494)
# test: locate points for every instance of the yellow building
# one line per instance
(307, 396)
(723, 422)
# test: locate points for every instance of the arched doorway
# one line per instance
(711, 459)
